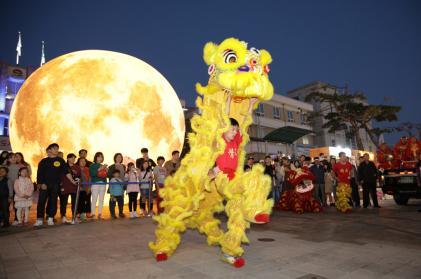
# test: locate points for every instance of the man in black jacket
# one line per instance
(270, 171)
(50, 171)
(367, 175)
(145, 157)
(318, 171)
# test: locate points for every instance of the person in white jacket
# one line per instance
(23, 194)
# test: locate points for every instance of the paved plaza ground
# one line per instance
(368, 243)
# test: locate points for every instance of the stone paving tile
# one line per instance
(110, 268)
(361, 273)
(407, 271)
(23, 275)
(48, 265)
(18, 264)
(189, 275)
(55, 273)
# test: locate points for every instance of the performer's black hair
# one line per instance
(234, 122)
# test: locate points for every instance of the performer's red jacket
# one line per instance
(343, 172)
(228, 161)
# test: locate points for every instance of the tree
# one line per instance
(351, 112)
(379, 113)
(408, 128)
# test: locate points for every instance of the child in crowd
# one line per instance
(3, 157)
(84, 205)
(146, 188)
(20, 161)
(12, 175)
(23, 194)
(330, 180)
(132, 175)
(159, 174)
(116, 194)
(4, 197)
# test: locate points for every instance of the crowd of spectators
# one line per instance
(58, 179)
(362, 175)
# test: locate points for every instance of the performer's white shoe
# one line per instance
(235, 261)
(38, 223)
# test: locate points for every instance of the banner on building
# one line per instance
(16, 72)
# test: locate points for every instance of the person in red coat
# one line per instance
(385, 157)
(342, 170)
(414, 149)
(400, 149)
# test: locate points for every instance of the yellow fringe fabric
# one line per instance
(343, 193)
(190, 199)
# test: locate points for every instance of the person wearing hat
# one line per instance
(50, 171)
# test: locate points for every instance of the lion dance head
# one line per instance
(237, 69)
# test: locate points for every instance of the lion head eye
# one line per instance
(255, 50)
(230, 56)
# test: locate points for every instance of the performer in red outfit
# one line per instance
(414, 149)
(342, 170)
(400, 149)
(385, 157)
(228, 161)
(300, 199)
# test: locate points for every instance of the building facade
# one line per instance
(11, 79)
(284, 115)
(322, 136)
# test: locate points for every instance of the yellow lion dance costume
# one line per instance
(191, 197)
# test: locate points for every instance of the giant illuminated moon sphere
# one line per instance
(97, 100)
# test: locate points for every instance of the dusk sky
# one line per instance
(373, 46)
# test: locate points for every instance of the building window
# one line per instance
(303, 118)
(6, 127)
(305, 140)
(290, 116)
(260, 111)
(260, 132)
(276, 113)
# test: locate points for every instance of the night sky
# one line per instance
(373, 46)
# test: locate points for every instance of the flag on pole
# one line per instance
(42, 55)
(18, 49)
